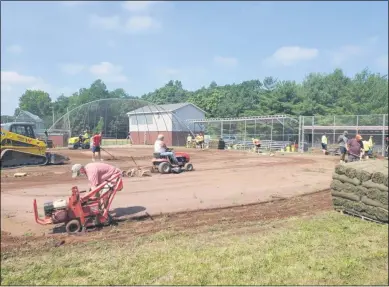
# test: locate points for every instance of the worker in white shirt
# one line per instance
(161, 148)
(324, 143)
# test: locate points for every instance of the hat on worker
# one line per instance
(160, 136)
(76, 170)
(345, 133)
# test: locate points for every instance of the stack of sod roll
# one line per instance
(361, 189)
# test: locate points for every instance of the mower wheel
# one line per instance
(189, 167)
(164, 167)
(73, 226)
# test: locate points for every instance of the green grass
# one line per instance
(106, 142)
(328, 249)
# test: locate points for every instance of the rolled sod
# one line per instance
(371, 184)
(344, 178)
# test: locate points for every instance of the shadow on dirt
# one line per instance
(126, 211)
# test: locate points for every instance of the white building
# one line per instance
(147, 122)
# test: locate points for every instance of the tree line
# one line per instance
(318, 94)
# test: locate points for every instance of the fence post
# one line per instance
(303, 132)
(357, 123)
(299, 132)
(334, 131)
(383, 136)
(313, 131)
(271, 135)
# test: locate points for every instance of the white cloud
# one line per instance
(13, 85)
(226, 61)
(108, 72)
(15, 49)
(139, 6)
(108, 23)
(72, 69)
(137, 24)
(346, 53)
(382, 61)
(290, 55)
(14, 78)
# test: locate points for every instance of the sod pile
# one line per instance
(361, 189)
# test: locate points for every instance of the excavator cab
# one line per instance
(20, 147)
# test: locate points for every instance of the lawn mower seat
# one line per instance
(157, 155)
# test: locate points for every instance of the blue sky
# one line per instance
(62, 46)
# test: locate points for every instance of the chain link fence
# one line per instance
(312, 128)
(275, 132)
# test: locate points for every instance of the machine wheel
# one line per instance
(73, 226)
(189, 167)
(164, 167)
(87, 147)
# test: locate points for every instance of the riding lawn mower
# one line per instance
(164, 164)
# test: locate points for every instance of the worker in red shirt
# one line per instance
(96, 146)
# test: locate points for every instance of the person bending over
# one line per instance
(161, 148)
(96, 173)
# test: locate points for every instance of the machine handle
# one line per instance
(39, 220)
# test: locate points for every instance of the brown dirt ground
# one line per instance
(220, 179)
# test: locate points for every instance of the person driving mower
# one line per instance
(161, 148)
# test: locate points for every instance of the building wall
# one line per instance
(158, 122)
(149, 137)
(59, 140)
(186, 113)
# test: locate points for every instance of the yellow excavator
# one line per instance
(20, 147)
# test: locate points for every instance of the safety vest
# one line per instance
(366, 145)
(189, 139)
(324, 139)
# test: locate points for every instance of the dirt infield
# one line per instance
(220, 179)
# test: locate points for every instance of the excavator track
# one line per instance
(14, 158)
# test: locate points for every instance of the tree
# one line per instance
(37, 102)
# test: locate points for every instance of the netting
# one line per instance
(122, 121)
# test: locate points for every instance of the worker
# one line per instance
(96, 145)
(342, 141)
(86, 135)
(201, 140)
(197, 140)
(355, 148)
(161, 148)
(257, 144)
(371, 145)
(189, 141)
(324, 143)
(366, 148)
(129, 137)
(96, 173)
